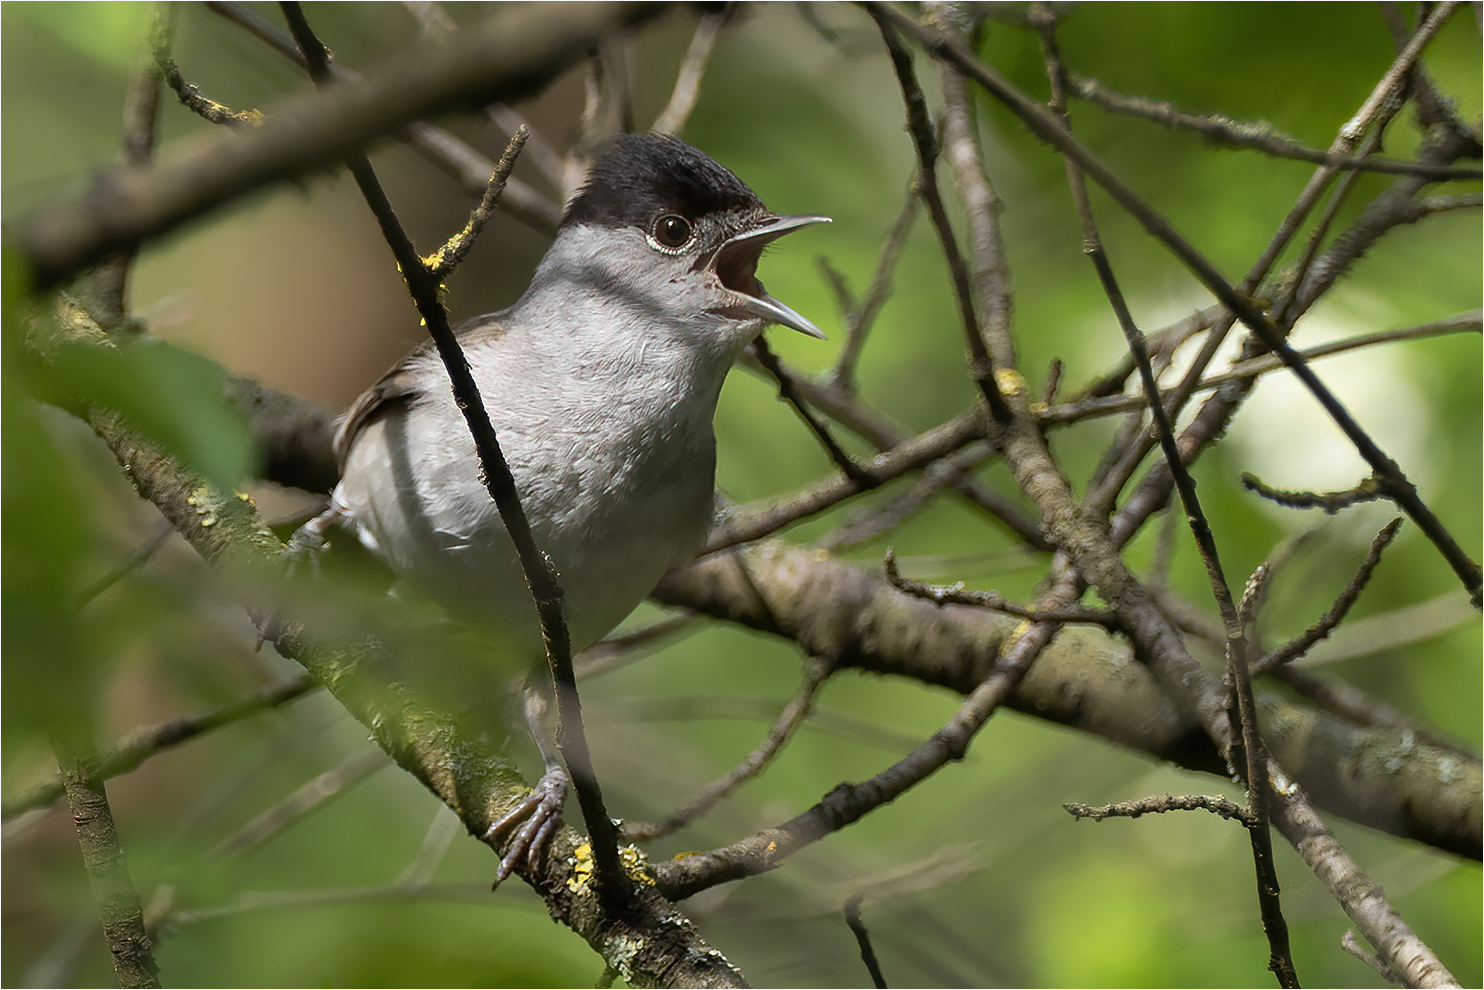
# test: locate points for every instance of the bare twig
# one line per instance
(954, 471)
(1331, 502)
(1223, 131)
(1217, 805)
(859, 320)
(1336, 614)
(141, 744)
(1110, 404)
(957, 594)
(788, 722)
(863, 940)
(615, 651)
(688, 79)
(763, 354)
(981, 360)
(304, 799)
(442, 262)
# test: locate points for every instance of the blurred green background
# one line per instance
(974, 878)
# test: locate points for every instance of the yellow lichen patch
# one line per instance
(1010, 381)
(635, 864)
(580, 882)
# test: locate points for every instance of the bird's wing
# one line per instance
(396, 388)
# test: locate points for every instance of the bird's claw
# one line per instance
(531, 823)
(306, 545)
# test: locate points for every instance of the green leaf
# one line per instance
(172, 396)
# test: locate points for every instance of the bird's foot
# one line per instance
(531, 823)
(306, 545)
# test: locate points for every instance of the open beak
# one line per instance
(735, 263)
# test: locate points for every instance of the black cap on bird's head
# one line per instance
(686, 202)
(635, 176)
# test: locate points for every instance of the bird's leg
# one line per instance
(532, 822)
(307, 543)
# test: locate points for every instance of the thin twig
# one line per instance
(613, 652)
(753, 522)
(140, 745)
(957, 594)
(860, 319)
(1336, 614)
(863, 940)
(954, 471)
(981, 363)
(1331, 502)
(1223, 131)
(1107, 405)
(798, 708)
(763, 354)
(688, 79)
(304, 799)
(1159, 805)
(446, 259)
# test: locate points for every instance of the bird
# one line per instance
(601, 382)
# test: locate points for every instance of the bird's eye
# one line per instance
(672, 230)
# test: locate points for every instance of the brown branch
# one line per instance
(455, 157)
(1085, 680)
(1217, 805)
(108, 872)
(507, 55)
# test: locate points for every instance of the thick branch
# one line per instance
(513, 53)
